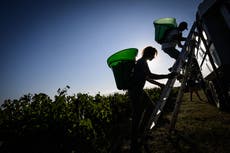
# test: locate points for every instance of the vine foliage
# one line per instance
(78, 123)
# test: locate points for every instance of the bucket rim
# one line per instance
(128, 54)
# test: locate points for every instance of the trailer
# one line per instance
(213, 53)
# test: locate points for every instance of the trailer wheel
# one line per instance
(207, 91)
(214, 95)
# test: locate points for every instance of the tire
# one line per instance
(215, 96)
(207, 91)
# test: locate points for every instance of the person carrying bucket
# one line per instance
(142, 104)
(169, 35)
(172, 38)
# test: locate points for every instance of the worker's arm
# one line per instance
(180, 38)
(152, 76)
(183, 39)
(159, 76)
(156, 83)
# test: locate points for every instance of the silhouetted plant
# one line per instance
(78, 123)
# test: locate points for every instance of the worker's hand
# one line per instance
(180, 77)
(172, 75)
(161, 86)
(180, 45)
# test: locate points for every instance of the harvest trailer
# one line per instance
(213, 54)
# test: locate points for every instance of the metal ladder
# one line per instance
(197, 31)
(187, 49)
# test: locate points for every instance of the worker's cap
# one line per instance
(183, 25)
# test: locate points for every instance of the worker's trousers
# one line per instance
(142, 111)
(172, 52)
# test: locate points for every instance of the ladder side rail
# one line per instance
(182, 89)
(161, 103)
(177, 104)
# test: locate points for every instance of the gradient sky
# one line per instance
(46, 45)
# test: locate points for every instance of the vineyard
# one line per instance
(101, 124)
(80, 123)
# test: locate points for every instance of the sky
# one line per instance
(46, 45)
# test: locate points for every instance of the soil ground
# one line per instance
(200, 128)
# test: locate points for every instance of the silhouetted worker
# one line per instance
(172, 38)
(193, 81)
(194, 86)
(142, 104)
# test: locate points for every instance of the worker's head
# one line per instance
(183, 25)
(149, 53)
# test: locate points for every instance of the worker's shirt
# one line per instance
(141, 72)
(171, 39)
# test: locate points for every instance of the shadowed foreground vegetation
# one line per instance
(101, 124)
(80, 123)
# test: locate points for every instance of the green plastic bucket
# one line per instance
(161, 26)
(122, 64)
